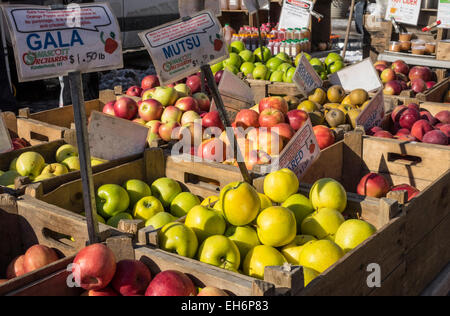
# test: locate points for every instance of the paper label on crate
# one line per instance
(362, 75)
(404, 11)
(301, 152)
(444, 14)
(295, 14)
(180, 48)
(5, 138)
(306, 77)
(50, 43)
(373, 114)
(252, 7)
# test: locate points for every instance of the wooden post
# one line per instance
(349, 25)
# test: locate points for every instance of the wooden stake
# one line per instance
(349, 25)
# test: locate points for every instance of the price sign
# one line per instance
(5, 138)
(253, 8)
(404, 11)
(373, 114)
(295, 14)
(50, 43)
(444, 14)
(181, 48)
(306, 77)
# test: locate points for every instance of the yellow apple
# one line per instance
(301, 206)
(353, 233)
(276, 226)
(325, 222)
(147, 207)
(44, 176)
(12, 165)
(178, 238)
(221, 252)
(210, 201)
(183, 203)
(56, 169)
(245, 238)
(265, 201)
(30, 164)
(328, 193)
(320, 255)
(205, 222)
(280, 185)
(137, 190)
(240, 203)
(72, 163)
(160, 219)
(293, 250)
(309, 275)
(260, 257)
(66, 151)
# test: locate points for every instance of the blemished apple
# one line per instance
(221, 252)
(165, 190)
(171, 283)
(134, 91)
(109, 108)
(203, 101)
(126, 108)
(271, 117)
(38, 256)
(56, 169)
(149, 82)
(15, 268)
(277, 103)
(171, 114)
(30, 164)
(183, 204)
(186, 104)
(178, 238)
(94, 266)
(150, 110)
(373, 185)
(205, 222)
(147, 207)
(112, 199)
(132, 277)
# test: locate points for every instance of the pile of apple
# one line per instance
(32, 165)
(101, 275)
(36, 257)
(398, 77)
(244, 231)
(411, 123)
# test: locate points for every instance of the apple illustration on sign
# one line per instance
(111, 44)
(218, 43)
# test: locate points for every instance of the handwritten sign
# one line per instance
(5, 138)
(362, 75)
(49, 43)
(295, 14)
(306, 77)
(444, 14)
(253, 8)
(373, 114)
(404, 11)
(181, 48)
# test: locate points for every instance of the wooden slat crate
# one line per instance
(25, 222)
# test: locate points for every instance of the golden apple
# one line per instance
(276, 226)
(56, 169)
(221, 252)
(240, 203)
(352, 233)
(280, 185)
(320, 255)
(328, 193)
(265, 201)
(301, 206)
(293, 250)
(325, 222)
(260, 257)
(245, 238)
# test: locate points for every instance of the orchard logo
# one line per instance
(29, 58)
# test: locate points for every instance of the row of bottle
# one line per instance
(291, 47)
(232, 5)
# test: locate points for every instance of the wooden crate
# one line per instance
(443, 50)
(25, 222)
(262, 89)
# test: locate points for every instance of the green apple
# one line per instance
(13, 164)
(320, 255)
(97, 162)
(66, 151)
(274, 63)
(247, 68)
(56, 169)
(280, 185)
(301, 206)
(323, 75)
(1, 173)
(183, 203)
(114, 221)
(335, 66)
(260, 257)
(165, 190)
(111, 200)
(161, 219)
(217, 67)
(205, 222)
(245, 238)
(353, 233)
(234, 60)
(266, 55)
(317, 62)
(137, 189)
(178, 238)
(147, 207)
(165, 95)
(284, 67)
(333, 57)
(293, 250)
(325, 222)
(7, 178)
(260, 73)
(99, 218)
(240, 203)
(247, 56)
(259, 64)
(299, 57)
(277, 76)
(221, 252)
(328, 193)
(44, 176)
(30, 164)
(276, 226)
(231, 68)
(285, 58)
(237, 47)
(72, 163)
(289, 75)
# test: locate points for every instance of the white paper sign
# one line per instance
(404, 11)
(295, 14)
(444, 14)
(5, 138)
(373, 114)
(362, 75)
(306, 78)
(251, 5)
(50, 43)
(180, 48)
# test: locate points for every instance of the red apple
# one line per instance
(445, 128)
(94, 266)
(402, 78)
(134, 91)
(403, 131)
(443, 117)
(218, 76)
(103, 292)
(15, 268)
(265, 140)
(17, 144)
(409, 117)
(277, 103)
(169, 131)
(414, 106)
(203, 101)
(374, 185)
(247, 118)
(418, 85)
(398, 111)
(147, 94)
(189, 117)
(109, 108)
(420, 128)
(150, 110)
(271, 117)
(171, 283)
(325, 136)
(435, 137)
(285, 131)
(406, 138)
(412, 191)
(420, 72)
(431, 84)
(297, 118)
(381, 62)
(383, 134)
(374, 130)
(425, 115)
(193, 133)
(150, 82)
(125, 108)
(256, 157)
(194, 83)
(154, 126)
(400, 67)
(380, 68)
(212, 149)
(171, 114)
(393, 87)
(212, 119)
(38, 256)
(187, 104)
(132, 278)
(388, 75)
